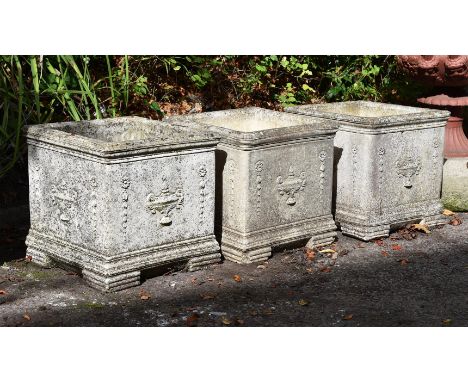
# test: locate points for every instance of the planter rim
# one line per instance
(73, 135)
(394, 115)
(296, 126)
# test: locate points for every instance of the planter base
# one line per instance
(110, 272)
(368, 231)
(256, 246)
(111, 283)
(321, 240)
(365, 233)
(246, 257)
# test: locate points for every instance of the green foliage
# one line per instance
(40, 89)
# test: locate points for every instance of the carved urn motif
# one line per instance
(291, 185)
(165, 202)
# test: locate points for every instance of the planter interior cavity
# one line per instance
(274, 179)
(118, 196)
(388, 161)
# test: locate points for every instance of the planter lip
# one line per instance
(105, 137)
(296, 126)
(393, 115)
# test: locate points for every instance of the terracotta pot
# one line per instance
(450, 72)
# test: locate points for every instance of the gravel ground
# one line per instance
(398, 281)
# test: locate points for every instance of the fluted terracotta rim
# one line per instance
(444, 100)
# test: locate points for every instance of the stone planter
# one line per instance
(388, 165)
(455, 184)
(274, 180)
(118, 196)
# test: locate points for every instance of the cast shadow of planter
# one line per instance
(220, 163)
(337, 153)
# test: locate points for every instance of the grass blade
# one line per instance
(35, 80)
(111, 83)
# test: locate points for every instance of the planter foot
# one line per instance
(201, 262)
(435, 220)
(246, 257)
(321, 240)
(113, 283)
(365, 233)
(40, 258)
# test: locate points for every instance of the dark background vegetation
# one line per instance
(41, 89)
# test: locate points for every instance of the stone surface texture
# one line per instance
(118, 196)
(455, 184)
(274, 179)
(388, 164)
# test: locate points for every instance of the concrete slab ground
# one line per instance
(408, 279)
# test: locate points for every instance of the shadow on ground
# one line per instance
(396, 282)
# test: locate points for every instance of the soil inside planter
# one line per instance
(367, 110)
(251, 119)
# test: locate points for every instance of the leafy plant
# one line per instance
(40, 89)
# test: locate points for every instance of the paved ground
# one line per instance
(400, 281)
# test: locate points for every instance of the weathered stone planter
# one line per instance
(274, 180)
(388, 164)
(118, 196)
(455, 184)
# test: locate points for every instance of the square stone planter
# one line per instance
(388, 162)
(118, 196)
(274, 179)
(455, 184)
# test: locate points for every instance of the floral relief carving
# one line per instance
(322, 157)
(231, 176)
(258, 181)
(202, 184)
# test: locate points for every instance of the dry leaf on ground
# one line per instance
(310, 255)
(237, 278)
(447, 321)
(326, 270)
(455, 221)
(403, 261)
(303, 302)
(421, 227)
(144, 295)
(448, 213)
(207, 296)
(379, 242)
(240, 322)
(348, 317)
(226, 321)
(192, 319)
(26, 317)
(385, 253)
(261, 267)
(396, 247)
(2, 291)
(327, 251)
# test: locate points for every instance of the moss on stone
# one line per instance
(455, 202)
